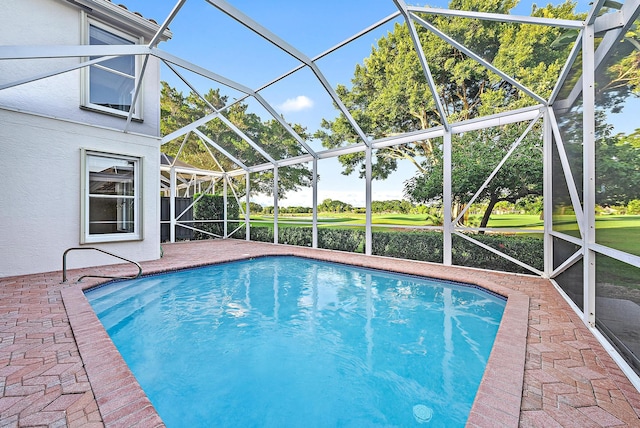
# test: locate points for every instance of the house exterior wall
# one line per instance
(41, 193)
(42, 132)
(56, 22)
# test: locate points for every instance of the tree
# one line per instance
(390, 95)
(254, 208)
(334, 206)
(618, 171)
(393, 206)
(474, 157)
(617, 154)
(617, 161)
(178, 111)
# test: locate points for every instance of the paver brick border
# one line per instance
(122, 402)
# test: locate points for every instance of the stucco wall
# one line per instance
(55, 22)
(40, 193)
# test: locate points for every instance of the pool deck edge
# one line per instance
(545, 369)
(121, 400)
(499, 396)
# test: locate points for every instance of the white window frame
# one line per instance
(85, 235)
(86, 72)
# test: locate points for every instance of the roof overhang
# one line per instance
(121, 17)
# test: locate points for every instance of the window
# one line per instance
(109, 86)
(111, 186)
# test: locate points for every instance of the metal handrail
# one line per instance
(64, 265)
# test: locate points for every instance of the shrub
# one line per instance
(211, 207)
(527, 249)
(351, 240)
(301, 236)
(633, 207)
(261, 234)
(427, 246)
(416, 245)
(333, 239)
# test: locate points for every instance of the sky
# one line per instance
(206, 37)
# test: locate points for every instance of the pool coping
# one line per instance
(122, 402)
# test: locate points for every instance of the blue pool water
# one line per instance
(294, 342)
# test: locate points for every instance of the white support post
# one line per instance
(275, 204)
(589, 156)
(547, 185)
(224, 201)
(314, 184)
(368, 234)
(247, 214)
(446, 201)
(172, 204)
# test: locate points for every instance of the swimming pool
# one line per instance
(285, 341)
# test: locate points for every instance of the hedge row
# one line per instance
(424, 246)
(527, 249)
(427, 246)
(211, 207)
(416, 245)
(328, 238)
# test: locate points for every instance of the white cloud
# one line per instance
(298, 103)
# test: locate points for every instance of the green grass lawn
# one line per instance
(615, 231)
(524, 221)
(344, 219)
(619, 232)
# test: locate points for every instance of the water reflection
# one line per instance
(618, 145)
(618, 306)
(567, 153)
(356, 344)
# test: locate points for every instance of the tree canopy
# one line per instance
(390, 95)
(178, 110)
(474, 157)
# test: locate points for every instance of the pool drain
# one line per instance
(422, 413)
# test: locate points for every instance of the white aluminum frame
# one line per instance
(614, 25)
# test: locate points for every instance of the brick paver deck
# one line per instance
(58, 366)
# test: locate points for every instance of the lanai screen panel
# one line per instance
(618, 142)
(617, 183)
(567, 153)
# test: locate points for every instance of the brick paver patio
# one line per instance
(58, 366)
